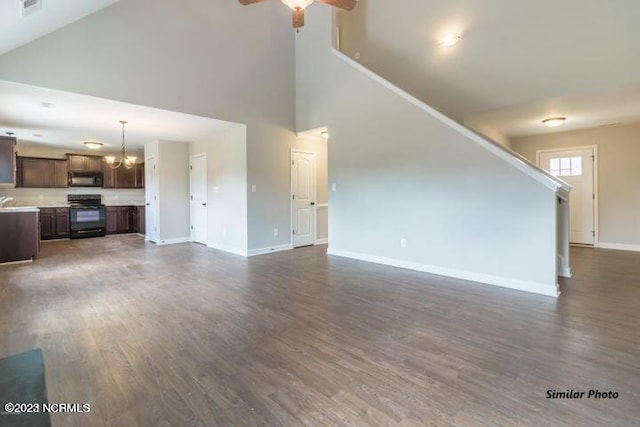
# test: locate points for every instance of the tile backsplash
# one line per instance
(43, 197)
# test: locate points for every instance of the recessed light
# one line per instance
(93, 145)
(450, 40)
(553, 122)
(45, 104)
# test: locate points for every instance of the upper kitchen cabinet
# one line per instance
(80, 163)
(42, 173)
(122, 177)
(7, 162)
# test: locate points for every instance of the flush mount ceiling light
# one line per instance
(127, 161)
(93, 145)
(553, 122)
(450, 40)
(298, 7)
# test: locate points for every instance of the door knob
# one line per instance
(313, 203)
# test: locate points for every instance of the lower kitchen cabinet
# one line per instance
(125, 219)
(19, 231)
(54, 223)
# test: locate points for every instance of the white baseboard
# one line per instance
(619, 246)
(226, 248)
(565, 272)
(505, 282)
(173, 241)
(322, 241)
(270, 249)
(24, 261)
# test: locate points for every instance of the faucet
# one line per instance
(4, 200)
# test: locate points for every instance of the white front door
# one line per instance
(151, 199)
(576, 167)
(303, 194)
(198, 198)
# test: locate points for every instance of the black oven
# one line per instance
(87, 215)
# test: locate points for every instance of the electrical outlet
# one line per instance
(333, 187)
(254, 188)
(403, 243)
(276, 232)
(216, 189)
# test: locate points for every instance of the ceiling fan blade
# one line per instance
(342, 4)
(298, 18)
(248, 2)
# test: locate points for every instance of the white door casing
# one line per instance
(151, 199)
(303, 197)
(198, 198)
(577, 166)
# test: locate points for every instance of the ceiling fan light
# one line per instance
(297, 4)
(553, 122)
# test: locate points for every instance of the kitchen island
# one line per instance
(19, 234)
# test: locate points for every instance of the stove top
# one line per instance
(84, 199)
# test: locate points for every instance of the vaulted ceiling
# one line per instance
(51, 15)
(516, 63)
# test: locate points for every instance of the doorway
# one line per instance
(578, 167)
(198, 198)
(303, 198)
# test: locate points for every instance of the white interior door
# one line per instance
(303, 194)
(576, 167)
(151, 199)
(199, 198)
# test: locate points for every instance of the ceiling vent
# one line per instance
(29, 7)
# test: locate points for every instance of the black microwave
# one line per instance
(85, 179)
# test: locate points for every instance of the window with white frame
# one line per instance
(565, 166)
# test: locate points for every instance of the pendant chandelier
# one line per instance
(127, 161)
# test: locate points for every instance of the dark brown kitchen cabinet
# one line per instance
(47, 223)
(19, 231)
(139, 220)
(36, 172)
(123, 177)
(60, 176)
(81, 163)
(54, 223)
(62, 223)
(125, 219)
(112, 219)
(7, 162)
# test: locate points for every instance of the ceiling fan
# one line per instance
(298, 7)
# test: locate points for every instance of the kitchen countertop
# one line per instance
(19, 209)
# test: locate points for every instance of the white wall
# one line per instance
(172, 189)
(226, 188)
(189, 56)
(401, 173)
(618, 173)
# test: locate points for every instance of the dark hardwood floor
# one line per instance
(183, 335)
